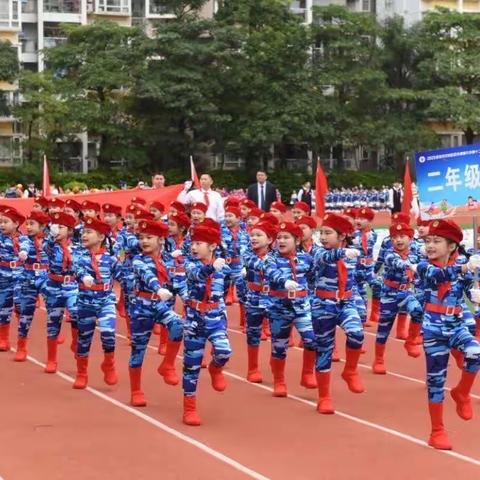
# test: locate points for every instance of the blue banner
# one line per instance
(448, 180)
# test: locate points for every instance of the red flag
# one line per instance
(193, 173)
(46, 178)
(321, 189)
(407, 189)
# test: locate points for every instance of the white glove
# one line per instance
(23, 255)
(177, 253)
(291, 285)
(243, 272)
(88, 280)
(187, 185)
(357, 241)
(218, 264)
(475, 295)
(423, 251)
(351, 253)
(54, 229)
(473, 262)
(164, 294)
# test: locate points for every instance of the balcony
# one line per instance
(8, 100)
(157, 9)
(10, 151)
(113, 7)
(61, 6)
(29, 7)
(9, 14)
(49, 42)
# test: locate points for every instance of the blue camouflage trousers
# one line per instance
(255, 317)
(26, 294)
(283, 315)
(198, 329)
(327, 315)
(58, 297)
(364, 276)
(438, 340)
(8, 286)
(145, 313)
(96, 307)
(392, 302)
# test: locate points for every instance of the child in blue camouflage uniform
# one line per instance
(334, 305)
(287, 272)
(34, 275)
(206, 317)
(73, 208)
(10, 269)
(95, 270)
(153, 291)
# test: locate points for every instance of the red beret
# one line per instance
(400, 217)
(302, 206)
(339, 223)
(158, 205)
(42, 201)
(109, 208)
(270, 218)
(178, 206)
(97, 225)
(206, 234)
(180, 218)
(73, 204)
(232, 202)
(56, 202)
(256, 212)
(142, 214)
(39, 217)
(422, 223)
(131, 209)
(401, 229)
(199, 206)
(234, 210)
(447, 229)
(351, 212)
(13, 215)
(62, 218)
(366, 213)
(307, 220)
(150, 227)
(247, 203)
(279, 206)
(209, 222)
(4, 207)
(268, 228)
(291, 228)
(138, 200)
(89, 205)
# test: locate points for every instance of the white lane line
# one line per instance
(152, 421)
(361, 421)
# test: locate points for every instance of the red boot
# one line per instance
(410, 344)
(374, 311)
(137, 397)
(265, 330)
(402, 326)
(52, 345)
(438, 438)
(461, 395)
(243, 318)
(253, 374)
(110, 376)
(4, 334)
(190, 414)
(378, 366)
(74, 343)
(308, 379)
(278, 370)
(21, 354)
(324, 404)
(167, 367)
(350, 372)
(218, 379)
(459, 357)
(81, 379)
(229, 295)
(162, 345)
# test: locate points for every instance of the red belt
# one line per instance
(258, 287)
(96, 287)
(334, 295)
(202, 306)
(289, 293)
(176, 270)
(397, 285)
(147, 295)
(36, 266)
(12, 264)
(233, 260)
(446, 310)
(61, 278)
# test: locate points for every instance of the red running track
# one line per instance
(50, 431)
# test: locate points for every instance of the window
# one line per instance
(365, 5)
(113, 6)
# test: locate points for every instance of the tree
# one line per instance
(8, 62)
(450, 68)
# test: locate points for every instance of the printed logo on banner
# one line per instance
(448, 181)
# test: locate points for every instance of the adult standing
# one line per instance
(30, 192)
(205, 194)
(305, 194)
(263, 193)
(158, 180)
(395, 197)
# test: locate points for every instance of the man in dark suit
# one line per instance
(263, 193)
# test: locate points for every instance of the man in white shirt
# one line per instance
(206, 195)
